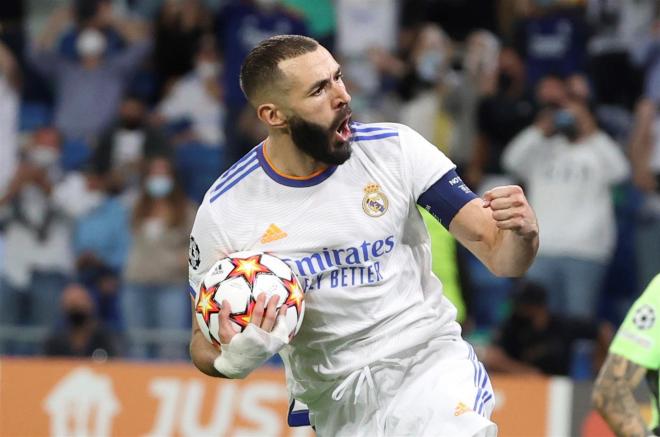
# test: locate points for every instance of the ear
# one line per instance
(271, 115)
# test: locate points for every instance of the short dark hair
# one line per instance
(260, 69)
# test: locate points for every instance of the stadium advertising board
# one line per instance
(53, 397)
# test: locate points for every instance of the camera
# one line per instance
(565, 124)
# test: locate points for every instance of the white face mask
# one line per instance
(207, 70)
(429, 65)
(90, 42)
(159, 186)
(43, 156)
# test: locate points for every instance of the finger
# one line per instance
(271, 314)
(512, 224)
(226, 330)
(506, 214)
(503, 191)
(505, 202)
(258, 311)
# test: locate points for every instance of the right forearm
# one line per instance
(203, 354)
(618, 407)
(613, 396)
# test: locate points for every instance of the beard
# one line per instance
(319, 141)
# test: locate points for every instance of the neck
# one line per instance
(287, 159)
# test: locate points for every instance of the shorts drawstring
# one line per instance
(363, 375)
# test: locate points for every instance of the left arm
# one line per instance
(613, 396)
(501, 230)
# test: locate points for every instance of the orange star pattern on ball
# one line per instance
(296, 294)
(243, 319)
(248, 268)
(207, 304)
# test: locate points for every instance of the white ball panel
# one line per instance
(218, 272)
(291, 317)
(236, 291)
(269, 284)
(214, 326)
(276, 266)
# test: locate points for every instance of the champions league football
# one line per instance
(239, 279)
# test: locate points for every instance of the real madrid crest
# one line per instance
(374, 202)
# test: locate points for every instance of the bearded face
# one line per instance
(329, 144)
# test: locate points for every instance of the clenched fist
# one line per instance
(511, 211)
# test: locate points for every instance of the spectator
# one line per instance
(500, 117)
(563, 157)
(101, 239)
(9, 100)
(124, 146)
(240, 26)
(97, 14)
(197, 97)
(156, 276)
(645, 156)
(646, 54)
(535, 340)
(477, 79)
(179, 28)
(430, 85)
(364, 26)
(82, 334)
(37, 236)
(88, 91)
(552, 39)
(616, 28)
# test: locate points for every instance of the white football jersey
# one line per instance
(354, 236)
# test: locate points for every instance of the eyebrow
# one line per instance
(322, 83)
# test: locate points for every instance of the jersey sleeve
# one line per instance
(207, 245)
(424, 163)
(638, 338)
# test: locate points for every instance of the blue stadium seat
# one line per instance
(34, 115)
(75, 154)
(198, 166)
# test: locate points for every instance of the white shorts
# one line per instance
(439, 389)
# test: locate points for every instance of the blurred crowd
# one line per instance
(116, 115)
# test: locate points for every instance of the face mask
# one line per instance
(429, 65)
(159, 186)
(43, 156)
(207, 70)
(90, 42)
(77, 318)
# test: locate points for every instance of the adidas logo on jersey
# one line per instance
(461, 408)
(272, 233)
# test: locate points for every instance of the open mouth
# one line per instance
(343, 131)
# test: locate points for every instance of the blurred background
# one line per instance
(117, 115)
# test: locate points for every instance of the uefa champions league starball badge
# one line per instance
(374, 202)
